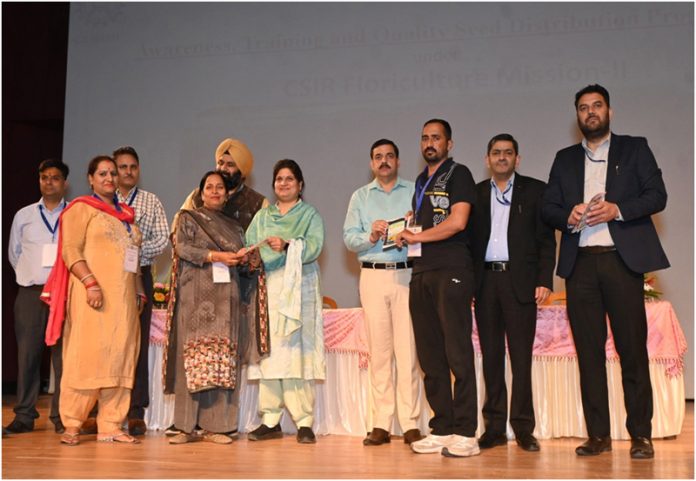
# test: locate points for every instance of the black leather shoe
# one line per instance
(16, 427)
(491, 440)
(305, 435)
(264, 433)
(642, 448)
(58, 427)
(136, 427)
(412, 435)
(89, 426)
(594, 445)
(376, 437)
(527, 441)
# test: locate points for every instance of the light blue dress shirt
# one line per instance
(368, 204)
(27, 238)
(497, 249)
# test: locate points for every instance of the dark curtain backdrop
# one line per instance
(34, 64)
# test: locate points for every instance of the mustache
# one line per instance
(384, 164)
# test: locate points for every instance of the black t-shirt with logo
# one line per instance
(452, 183)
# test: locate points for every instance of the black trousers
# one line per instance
(440, 305)
(499, 315)
(140, 396)
(31, 316)
(601, 284)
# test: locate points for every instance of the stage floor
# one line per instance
(39, 455)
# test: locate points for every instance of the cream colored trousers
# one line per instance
(295, 394)
(384, 297)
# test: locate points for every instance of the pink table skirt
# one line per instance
(344, 332)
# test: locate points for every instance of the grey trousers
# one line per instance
(31, 315)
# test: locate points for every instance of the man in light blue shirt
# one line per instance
(32, 252)
(384, 294)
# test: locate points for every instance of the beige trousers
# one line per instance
(295, 394)
(75, 405)
(384, 297)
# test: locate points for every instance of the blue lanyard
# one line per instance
(504, 201)
(52, 230)
(132, 199)
(420, 191)
(118, 209)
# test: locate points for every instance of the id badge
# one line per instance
(414, 250)
(130, 261)
(221, 273)
(48, 255)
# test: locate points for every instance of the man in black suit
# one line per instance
(514, 256)
(604, 262)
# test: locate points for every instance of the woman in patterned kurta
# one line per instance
(209, 331)
(294, 232)
(101, 331)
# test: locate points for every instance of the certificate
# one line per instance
(582, 223)
(393, 228)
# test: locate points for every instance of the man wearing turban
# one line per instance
(235, 158)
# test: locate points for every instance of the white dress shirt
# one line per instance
(28, 236)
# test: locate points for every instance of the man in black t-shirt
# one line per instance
(441, 289)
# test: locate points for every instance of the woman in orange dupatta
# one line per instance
(95, 286)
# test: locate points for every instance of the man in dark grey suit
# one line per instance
(514, 255)
(603, 257)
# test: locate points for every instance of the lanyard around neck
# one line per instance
(117, 208)
(53, 229)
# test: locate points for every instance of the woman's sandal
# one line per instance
(71, 439)
(117, 437)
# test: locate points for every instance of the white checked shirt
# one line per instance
(151, 220)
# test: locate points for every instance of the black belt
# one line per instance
(387, 265)
(596, 249)
(497, 266)
(36, 287)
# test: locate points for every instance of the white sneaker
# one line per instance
(461, 447)
(432, 443)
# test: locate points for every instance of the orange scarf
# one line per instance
(55, 291)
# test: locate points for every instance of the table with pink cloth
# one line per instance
(343, 403)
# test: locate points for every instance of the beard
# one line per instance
(432, 159)
(597, 132)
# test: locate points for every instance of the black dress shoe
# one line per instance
(16, 427)
(642, 448)
(136, 427)
(89, 426)
(527, 441)
(412, 435)
(264, 433)
(305, 435)
(491, 440)
(376, 437)
(594, 445)
(58, 427)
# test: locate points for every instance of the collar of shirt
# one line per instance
(508, 186)
(601, 153)
(125, 199)
(57, 209)
(376, 185)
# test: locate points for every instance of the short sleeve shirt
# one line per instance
(451, 184)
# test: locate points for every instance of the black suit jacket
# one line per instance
(634, 183)
(531, 243)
